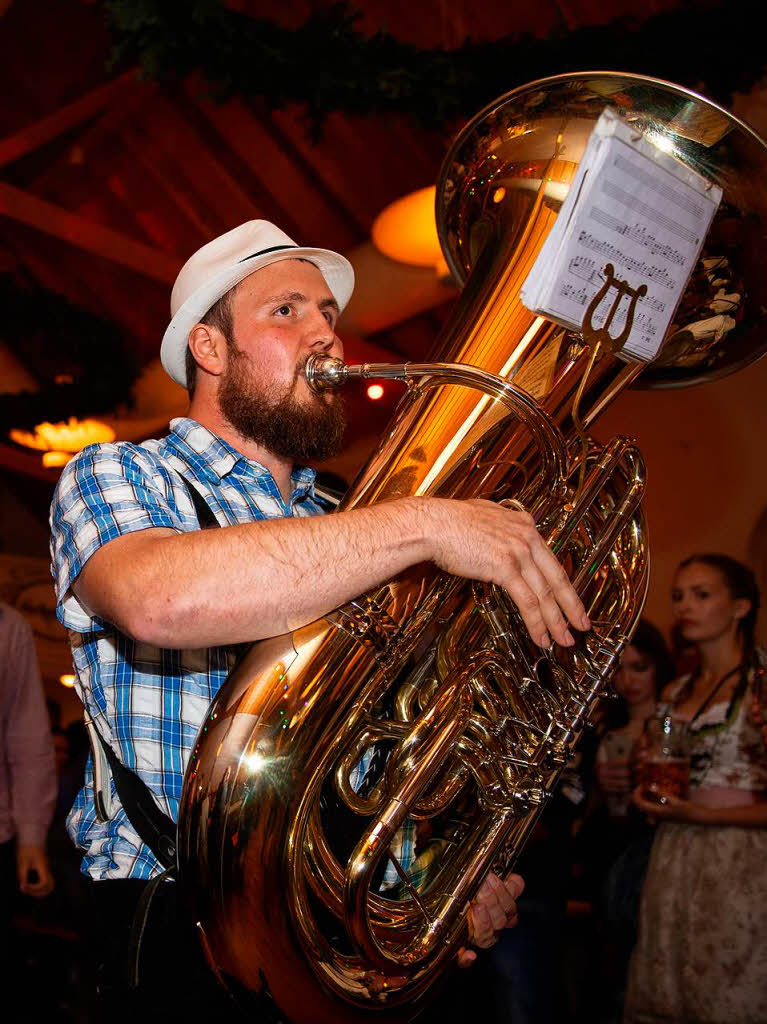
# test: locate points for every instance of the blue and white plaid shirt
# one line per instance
(148, 703)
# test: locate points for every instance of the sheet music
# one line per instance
(638, 208)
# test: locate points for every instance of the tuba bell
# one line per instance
(293, 864)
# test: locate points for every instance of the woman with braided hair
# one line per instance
(701, 954)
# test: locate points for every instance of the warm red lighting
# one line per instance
(375, 391)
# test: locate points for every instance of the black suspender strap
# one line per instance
(205, 516)
(154, 827)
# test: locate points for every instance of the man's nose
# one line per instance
(321, 333)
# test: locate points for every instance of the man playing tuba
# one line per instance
(155, 606)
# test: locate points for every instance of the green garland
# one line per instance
(81, 360)
(328, 65)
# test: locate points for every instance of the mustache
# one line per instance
(330, 396)
(300, 368)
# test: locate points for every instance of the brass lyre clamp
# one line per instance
(594, 336)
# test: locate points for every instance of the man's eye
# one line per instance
(284, 310)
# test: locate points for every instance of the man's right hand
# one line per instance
(482, 540)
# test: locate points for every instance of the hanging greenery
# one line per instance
(81, 360)
(329, 65)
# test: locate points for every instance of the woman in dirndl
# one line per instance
(701, 954)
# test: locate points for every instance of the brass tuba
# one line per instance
(292, 863)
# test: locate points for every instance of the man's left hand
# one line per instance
(33, 872)
(492, 909)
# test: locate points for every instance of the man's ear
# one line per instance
(208, 346)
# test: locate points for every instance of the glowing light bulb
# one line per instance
(375, 391)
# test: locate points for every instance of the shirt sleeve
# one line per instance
(106, 491)
(29, 746)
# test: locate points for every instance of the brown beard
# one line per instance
(303, 432)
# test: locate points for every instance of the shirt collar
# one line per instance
(220, 458)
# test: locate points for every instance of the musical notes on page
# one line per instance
(638, 208)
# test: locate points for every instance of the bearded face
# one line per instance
(287, 420)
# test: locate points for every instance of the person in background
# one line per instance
(615, 839)
(27, 772)
(701, 954)
(646, 668)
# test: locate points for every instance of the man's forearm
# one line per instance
(245, 582)
(256, 580)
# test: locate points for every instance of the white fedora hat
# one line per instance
(223, 263)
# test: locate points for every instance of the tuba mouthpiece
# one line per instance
(324, 372)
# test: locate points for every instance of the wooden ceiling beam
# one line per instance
(310, 214)
(202, 170)
(169, 178)
(32, 136)
(87, 235)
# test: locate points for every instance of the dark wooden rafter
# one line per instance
(297, 145)
(87, 235)
(235, 153)
(202, 169)
(52, 219)
(136, 303)
(230, 131)
(312, 215)
(25, 245)
(171, 181)
(349, 159)
(32, 136)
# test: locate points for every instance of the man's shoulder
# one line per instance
(119, 457)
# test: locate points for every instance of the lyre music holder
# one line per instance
(594, 336)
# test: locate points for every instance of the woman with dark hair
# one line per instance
(646, 667)
(614, 840)
(702, 953)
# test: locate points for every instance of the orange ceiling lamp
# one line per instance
(60, 441)
(406, 231)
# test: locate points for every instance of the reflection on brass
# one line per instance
(292, 859)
